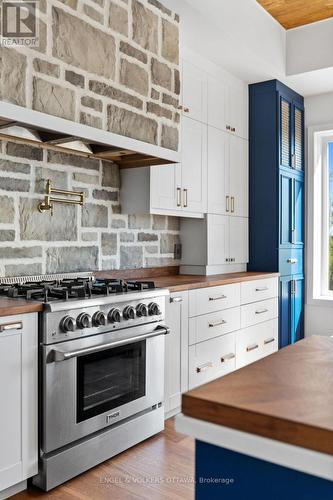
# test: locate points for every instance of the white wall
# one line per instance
(318, 318)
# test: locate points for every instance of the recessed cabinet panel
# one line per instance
(217, 103)
(237, 109)
(166, 187)
(285, 133)
(239, 240)
(298, 138)
(238, 175)
(194, 92)
(298, 195)
(218, 171)
(286, 218)
(218, 240)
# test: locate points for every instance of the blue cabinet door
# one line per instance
(298, 211)
(286, 209)
(285, 311)
(297, 148)
(285, 132)
(297, 331)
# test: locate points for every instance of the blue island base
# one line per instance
(227, 475)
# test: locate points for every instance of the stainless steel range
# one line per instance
(101, 369)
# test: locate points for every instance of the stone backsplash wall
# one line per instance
(111, 64)
(94, 237)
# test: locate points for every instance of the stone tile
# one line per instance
(131, 257)
(159, 222)
(161, 74)
(159, 262)
(46, 67)
(118, 19)
(118, 223)
(109, 243)
(7, 235)
(170, 41)
(11, 166)
(42, 38)
(131, 51)
(73, 40)
(7, 211)
(93, 13)
(139, 221)
(168, 242)
(130, 124)
(157, 110)
(73, 160)
(103, 194)
(160, 6)
(176, 118)
(59, 179)
(116, 209)
(134, 77)
(9, 184)
(24, 151)
(114, 93)
(155, 94)
(176, 82)
(147, 237)
(53, 99)
(99, 2)
(89, 236)
(174, 223)
(71, 259)
(74, 78)
(13, 76)
(170, 138)
(62, 226)
(170, 101)
(91, 120)
(90, 102)
(152, 249)
(94, 215)
(85, 178)
(23, 269)
(110, 175)
(127, 237)
(145, 27)
(20, 252)
(70, 3)
(109, 264)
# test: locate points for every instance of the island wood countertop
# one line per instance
(13, 307)
(287, 396)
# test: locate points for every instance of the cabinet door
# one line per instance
(285, 133)
(286, 321)
(286, 209)
(217, 103)
(176, 351)
(165, 188)
(194, 95)
(298, 138)
(194, 166)
(218, 243)
(238, 108)
(298, 212)
(238, 177)
(218, 171)
(298, 310)
(239, 240)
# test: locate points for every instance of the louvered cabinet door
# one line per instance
(298, 139)
(286, 155)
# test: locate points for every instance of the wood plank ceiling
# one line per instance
(294, 13)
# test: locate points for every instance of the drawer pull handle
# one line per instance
(203, 368)
(269, 341)
(176, 299)
(263, 311)
(262, 289)
(252, 347)
(179, 197)
(220, 297)
(292, 261)
(11, 326)
(218, 323)
(228, 357)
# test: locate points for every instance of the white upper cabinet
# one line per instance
(238, 177)
(194, 92)
(166, 186)
(217, 103)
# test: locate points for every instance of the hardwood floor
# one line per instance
(160, 468)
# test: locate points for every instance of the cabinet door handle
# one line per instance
(186, 110)
(176, 299)
(185, 198)
(232, 204)
(219, 297)
(228, 127)
(262, 311)
(233, 129)
(179, 197)
(228, 357)
(6, 327)
(292, 261)
(252, 347)
(180, 108)
(227, 204)
(269, 341)
(217, 323)
(262, 289)
(204, 367)
(293, 160)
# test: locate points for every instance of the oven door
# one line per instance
(95, 382)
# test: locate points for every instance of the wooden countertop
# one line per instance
(11, 307)
(287, 396)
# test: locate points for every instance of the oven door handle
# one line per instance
(56, 355)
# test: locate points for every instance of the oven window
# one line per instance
(109, 379)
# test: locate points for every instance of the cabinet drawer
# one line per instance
(213, 325)
(211, 359)
(291, 261)
(258, 312)
(256, 342)
(254, 291)
(211, 299)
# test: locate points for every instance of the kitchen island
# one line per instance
(266, 431)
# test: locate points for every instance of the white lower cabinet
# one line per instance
(256, 342)
(19, 396)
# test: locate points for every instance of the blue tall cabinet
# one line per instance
(277, 197)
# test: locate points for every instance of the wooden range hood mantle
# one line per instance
(55, 132)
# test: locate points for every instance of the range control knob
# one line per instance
(67, 324)
(114, 316)
(141, 310)
(83, 321)
(154, 309)
(99, 319)
(129, 312)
